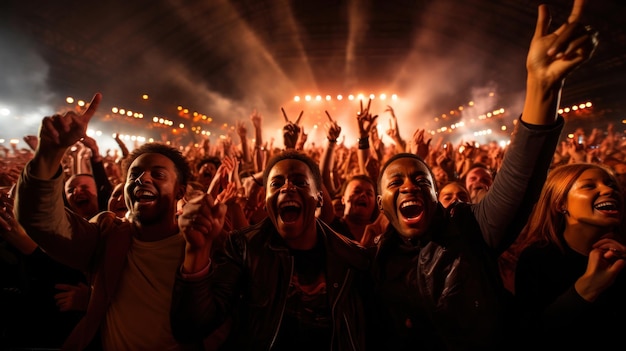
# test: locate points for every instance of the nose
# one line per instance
(139, 180)
(408, 186)
(288, 186)
(606, 189)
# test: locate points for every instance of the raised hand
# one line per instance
(553, 55)
(291, 131)
(332, 128)
(200, 222)
(420, 144)
(256, 119)
(64, 131)
(365, 120)
(241, 129)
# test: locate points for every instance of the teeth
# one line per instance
(409, 203)
(610, 204)
(144, 193)
(289, 203)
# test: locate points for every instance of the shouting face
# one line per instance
(291, 199)
(407, 196)
(82, 195)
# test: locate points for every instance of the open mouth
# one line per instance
(607, 207)
(361, 203)
(289, 211)
(143, 196)
(411, 209)
(82, 201)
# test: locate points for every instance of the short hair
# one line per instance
(183, 170)
(74, 176)
(404, 155)
(294, 155)
(363, 177)
(211, 159)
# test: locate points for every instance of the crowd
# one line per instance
(241, 245)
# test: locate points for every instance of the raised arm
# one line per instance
(333, 130)
(291, 131)
(551, 57)
(56, 134)
(365, 122)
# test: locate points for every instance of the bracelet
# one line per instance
(364, 143)
(332, 140)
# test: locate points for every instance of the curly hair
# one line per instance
(183, 170)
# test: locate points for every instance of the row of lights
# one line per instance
(574, 108)
(460, 124)
(128, 113)
(461, 108)
(350, 97)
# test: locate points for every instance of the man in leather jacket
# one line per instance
(289, 282)
(437, 284)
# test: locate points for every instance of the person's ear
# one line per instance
(379, 200)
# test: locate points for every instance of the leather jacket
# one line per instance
(443, 290)
(251, 276)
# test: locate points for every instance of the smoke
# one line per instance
(242, 56)
(24, 97)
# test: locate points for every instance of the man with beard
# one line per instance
(287, 283)
(132, 262)
(478, 181)
(437, 285)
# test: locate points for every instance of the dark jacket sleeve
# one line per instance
(200, 305)
(507, 205)
(104, 185)
(62, 234)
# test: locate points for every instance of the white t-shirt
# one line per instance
(139, 315)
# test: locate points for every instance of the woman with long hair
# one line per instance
(569, 278)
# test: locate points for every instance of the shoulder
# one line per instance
(344, 248)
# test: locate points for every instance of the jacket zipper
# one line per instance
(282, 312)
(332, 338)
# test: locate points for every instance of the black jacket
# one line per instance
(443, 291)
(251, 275)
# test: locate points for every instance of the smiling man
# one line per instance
(288, 283)
(133, 261)
(437, 285)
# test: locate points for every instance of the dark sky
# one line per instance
(226, 58)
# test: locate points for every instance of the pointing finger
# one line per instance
(329, 118)
(93, 106)
(285, 115)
